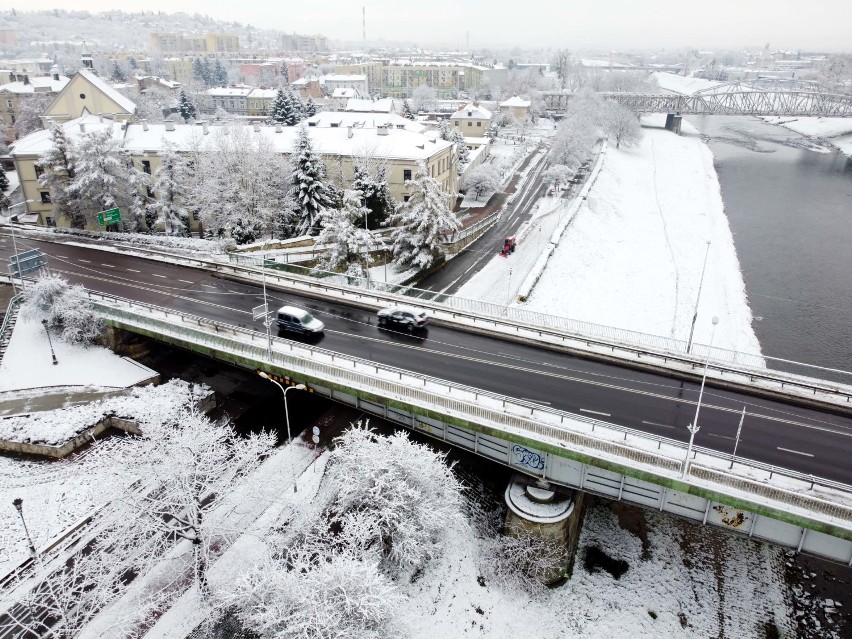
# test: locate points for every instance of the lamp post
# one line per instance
(284, 390)
(693, 427)
(19, 506)
(14, 242)
(697, 299)
(52, 354)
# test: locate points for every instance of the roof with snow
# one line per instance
(363, 120)
(342, 92)
(229, 92)
(472, 111)
(124, 102)
(385, 105)
(344, 78)
(40, 141)
(515, 101)
(38, 84)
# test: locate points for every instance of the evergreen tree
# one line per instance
(347, 246)
(185, 106)
(207, 73)
(292, 113)
(461, 148)
(57, 167)
(445, 130)
(279, 107)
(220, 74)
(310, 192)
(198, 70)
(171, 180)
(378, 204)
(421, 224)
(4, 181)
(406, 110)
(118, 74)
(310, 107)
(132, 64)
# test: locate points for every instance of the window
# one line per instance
(405, 198)
(50, 221)
(45, 197)
(479, 124)
(457, 122)
(82, 96)
(146, 166)
(470, 123)
(406, 175)
(38, 170)
(149, 191)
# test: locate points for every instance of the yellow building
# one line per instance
(400, 149)
(399, 78)
(14, 95)
(472, 120)
(193, 43)
(87, 92)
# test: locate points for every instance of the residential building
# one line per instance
(517, 107)
(400, 149)
(34, 66)
(385, 105)
(260, 101)
(13, 95)
(193, 43)
(341, 96)
(307, 87)
(353, 81)
(343, 119)
(231, 99)
(86, 92)
(472, 120)
(260, 73)
(399, 78)
(310, 43)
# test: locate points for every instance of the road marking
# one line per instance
(719, 436)
(235, 292)
(795, 452)
(594, 412)
(208, 285)
(163, 276)
(187, 281)
(62, 257)
(86, 261)
(658, 424)
(134, 270)
(107, 265)
(537, 401)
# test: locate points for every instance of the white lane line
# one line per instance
(658, 424)
(719, 436)
(186, 281)
(795, 452)
(107, 265)
(62, 257)
(208, 285)
(163, 276)
(594, 412)
(86, 261)
(236, 292)
(537, 401)
(134, 270)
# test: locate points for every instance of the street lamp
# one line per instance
(693, 427)
(52, 354)
(14, 242)
(697, 299)
(19, 506)
(284, 390)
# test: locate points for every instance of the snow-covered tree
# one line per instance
(280, 107)
(151, 105)
(58, 172)
(187, 468)
(4, 180)
(445, 130)
(117, 74)
(105, 179)
(346, 246)
(407, 113)
(620, 124)
(462, 152)
(424, 98)
(310, 107)
(310, 192)
(242, 186)
(572, 144)
(66, 307)
(186, 107)
(310, 595)
(370, 178)
(481, 180)
(172, 180)
(557, 174)
(422, 223)
(29, 114)
(220, 74)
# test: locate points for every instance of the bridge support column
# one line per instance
(673, 122)
(551, 518)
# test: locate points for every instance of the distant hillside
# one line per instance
(114, 31)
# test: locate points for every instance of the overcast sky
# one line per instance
(609, 24)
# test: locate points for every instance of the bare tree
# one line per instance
(481, 180)
(620, 124)
(424, 98)
(29, 116)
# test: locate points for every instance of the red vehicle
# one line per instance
(508, 246)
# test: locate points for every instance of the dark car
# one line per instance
(406, 318)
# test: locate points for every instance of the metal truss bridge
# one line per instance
(729, 99)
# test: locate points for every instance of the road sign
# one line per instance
(110, 216)
(25, 262)
(258, 312)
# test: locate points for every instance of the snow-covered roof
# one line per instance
(229, 92)
(515, 101)
(171, 84)
(263, 93)
(37, 84)
(472, 111)
(385, 105)
(344, 78)
(125, 103)
(363, 120)
(40, 141)
(343, 92)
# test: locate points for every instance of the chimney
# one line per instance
(170, 125)
(204, 127)
(25, 78)
(256, 127)
(144, 125)
(100, 117)
(382, 129)
(278, 127)
(349, 131)
(82, 127)
(54, 72)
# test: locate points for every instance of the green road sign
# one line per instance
(110, 216)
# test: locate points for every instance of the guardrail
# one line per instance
(788, 491)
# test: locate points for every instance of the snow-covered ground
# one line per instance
(633, 255)
(837, 131)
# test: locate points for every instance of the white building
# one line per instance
(357, 82)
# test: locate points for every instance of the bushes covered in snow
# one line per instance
(66, 308)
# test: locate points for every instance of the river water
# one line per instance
(790, 210)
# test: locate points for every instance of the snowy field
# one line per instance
(633, 255)
(837, 131)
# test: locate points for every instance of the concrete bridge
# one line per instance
(728, 99)
(762, 501)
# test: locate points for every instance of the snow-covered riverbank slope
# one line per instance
(835, 131)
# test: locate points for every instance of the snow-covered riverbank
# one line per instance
(835, 131)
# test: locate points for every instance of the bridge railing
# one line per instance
(787, 490)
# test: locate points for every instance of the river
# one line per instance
(790, 210)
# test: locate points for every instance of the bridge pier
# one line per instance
(551, 517)
(673, 122)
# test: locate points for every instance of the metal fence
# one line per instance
(604, 441)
